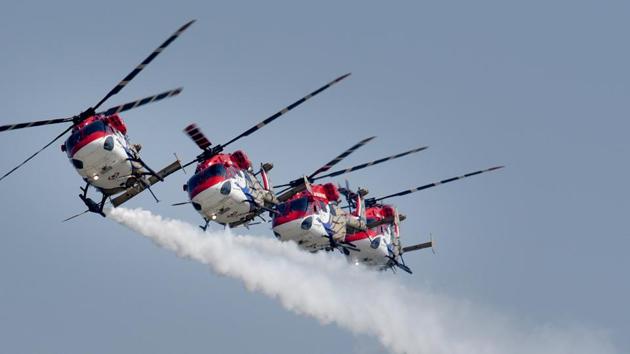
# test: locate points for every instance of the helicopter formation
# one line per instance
(227, 189)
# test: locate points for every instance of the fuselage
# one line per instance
(379, 246)
(311, 218)
(224, 189)
(306, 222)
(99, 151)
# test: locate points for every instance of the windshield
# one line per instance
(203, 176)
(300, 204)
(73, 140)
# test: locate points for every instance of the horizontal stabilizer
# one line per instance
(419, 246)
(139, 187)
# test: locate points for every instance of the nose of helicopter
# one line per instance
(307, 232)
(371, 252)
(102, 162)
(213, 194)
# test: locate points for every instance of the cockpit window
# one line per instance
(212, 171)
(300, 204)
(73, 140)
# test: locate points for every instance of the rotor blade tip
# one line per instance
(343, 76)
(496, 168)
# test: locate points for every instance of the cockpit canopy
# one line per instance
(97, 127)
(299, 204)
(211, 175)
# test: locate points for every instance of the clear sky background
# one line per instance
(540, 86)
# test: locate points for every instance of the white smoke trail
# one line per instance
(332, 291)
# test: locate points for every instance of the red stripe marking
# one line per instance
(212, 181)
(290, 216)
(86, 140)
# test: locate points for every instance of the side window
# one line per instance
(231, 172)
(248, 178)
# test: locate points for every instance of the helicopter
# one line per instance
(310, 214)
(98, 147)
(225, 189)
(379, 244)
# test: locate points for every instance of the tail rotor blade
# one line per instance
(141, 102)
(286, 109)
(35, 154)
(197, 136)
(371, 163)
(142, 65)
(372, 201)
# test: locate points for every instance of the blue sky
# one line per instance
(539, 86)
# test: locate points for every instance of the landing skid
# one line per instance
(92, 206)
(342, 246)
(399, 265)
(140, 186)
(150, 172)
(205, 226)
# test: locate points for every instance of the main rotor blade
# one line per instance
(371, 163)
(117, 109)
(286, 109)
(372, 201)
(342, 156)
(144, 63)
(38, 151)
(328, 165)
(141, 102)
(34, 124)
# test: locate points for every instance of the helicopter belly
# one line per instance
(309, 234)
(221, 204)
(103, 163)
(373, 253)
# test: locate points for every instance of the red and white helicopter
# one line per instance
(225, 189)
(379, 244)
(98, 146)
(310, 214)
